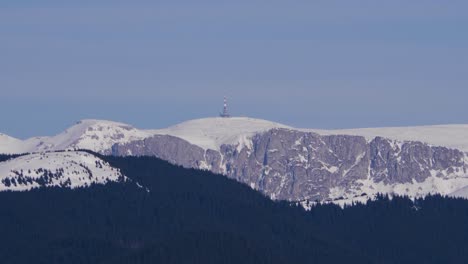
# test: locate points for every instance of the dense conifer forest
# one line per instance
(191, 216)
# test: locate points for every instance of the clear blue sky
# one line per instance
(320, 64)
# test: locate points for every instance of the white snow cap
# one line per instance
(69, 169)
(211, 133)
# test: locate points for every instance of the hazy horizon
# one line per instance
(321, 64)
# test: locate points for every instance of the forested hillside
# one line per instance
(191, 216)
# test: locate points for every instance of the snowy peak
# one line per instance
(96, 135)
(6, 137)
(70, 169)
(281, 161)
(8, 143)
(101, 135)
(238, 123)
(211, 133)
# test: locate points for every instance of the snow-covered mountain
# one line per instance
(9, 144)
(285, 162)
(70, 169)
(451, 136)
(96, 135)
(101, 135)
(212, 133)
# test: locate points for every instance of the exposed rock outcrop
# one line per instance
(293, 165)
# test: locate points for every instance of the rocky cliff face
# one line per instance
(172, 149)
(293, 165)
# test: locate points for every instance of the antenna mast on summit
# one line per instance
(225, 112)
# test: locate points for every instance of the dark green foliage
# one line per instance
(189, 216)
(4, 157)
(429, 230)
(192, 216)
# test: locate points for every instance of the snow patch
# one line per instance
(212, 133)
(65, 169)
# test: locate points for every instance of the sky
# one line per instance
(310, 64)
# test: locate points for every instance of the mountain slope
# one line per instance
(188, 216)
(95, 135)
(10, 144)
(450, 136)
(461, 193)
(293, 165)
(212, 133)
(101, 135)
(193, 216)
(284, 162)
(64, 169)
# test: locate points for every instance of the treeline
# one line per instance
(190, 216)
(5, 157)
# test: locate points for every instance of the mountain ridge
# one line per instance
(449, 135)
(283, 162)
(68, 169)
